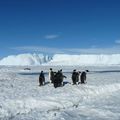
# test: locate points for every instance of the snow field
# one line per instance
(22, 98)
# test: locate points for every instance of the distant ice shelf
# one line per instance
(61, 59)
(25, 59)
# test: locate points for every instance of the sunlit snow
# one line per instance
(22, 99)
(61, 59)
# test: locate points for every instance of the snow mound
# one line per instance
(91, 59)
(25, 59)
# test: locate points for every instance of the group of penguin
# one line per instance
(56, 78)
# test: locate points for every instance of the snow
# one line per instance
(25, 59)
(22, 99)
(61, 59)
(64, 59)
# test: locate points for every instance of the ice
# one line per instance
(22, 99)
(90, 59)
(61, 59)
(25, 59)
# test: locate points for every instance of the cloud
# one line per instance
(38, 49)
(49, 50)
(51, 36)
(117, 41)
(113, 50)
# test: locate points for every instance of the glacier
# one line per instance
(61, 59)
(25, 59)
(85, 59)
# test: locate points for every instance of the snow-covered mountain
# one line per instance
(61, 59)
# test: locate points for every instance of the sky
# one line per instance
(59, 26)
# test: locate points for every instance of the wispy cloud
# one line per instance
(52, 36)
(113, 50)
(117, 41)
(49, 50)
(39, 49)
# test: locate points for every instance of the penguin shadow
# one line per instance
(82, 83)
(65, 83)
(46, 83)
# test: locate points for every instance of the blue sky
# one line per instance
(59, 26)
